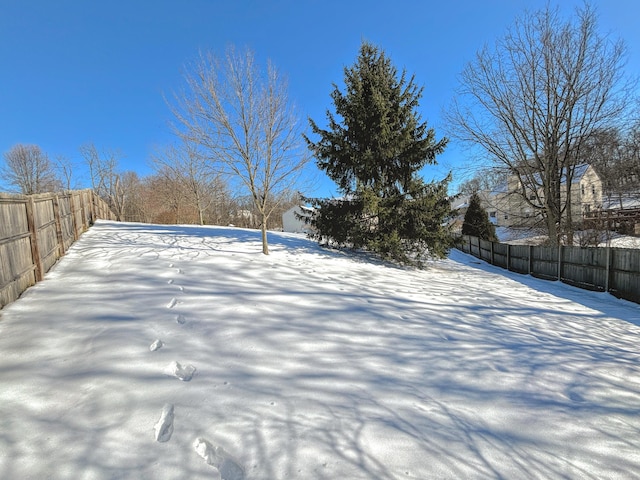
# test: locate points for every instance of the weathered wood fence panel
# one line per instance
(613, 270)
(36, 230)
(584, 267)
(544, 262)
(500, 255)
(624, 280)
(519, 258)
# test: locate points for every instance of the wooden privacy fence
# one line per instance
(613, 270)
(36, 230)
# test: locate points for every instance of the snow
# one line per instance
(526, 236)
(170, 352)
(622, 241)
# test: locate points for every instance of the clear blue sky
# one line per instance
(78, 71)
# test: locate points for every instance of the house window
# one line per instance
(593, 190)
(506, 217)
(587, 209)
(582, 189)
(492, 214)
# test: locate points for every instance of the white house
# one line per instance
(291, 223)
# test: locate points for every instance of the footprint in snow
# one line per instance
(156, 345)
(164, 427)
(218, 458)
(180, 319)
(181, 372)
(172, 303)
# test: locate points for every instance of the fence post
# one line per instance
(508, 256)
(608, 270)
(58, 219)
(530, 262)
(33, 230)
(83, 209)
(559, 262)
(93, 204)
(493, 261)
(74, 211)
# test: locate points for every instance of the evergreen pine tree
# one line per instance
(476, 221)
(373, 149)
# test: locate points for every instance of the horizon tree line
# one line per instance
(170, 195)
(548, 95)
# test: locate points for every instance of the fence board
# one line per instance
(36, 230)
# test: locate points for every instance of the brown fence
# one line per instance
(36, 230)
(613, 270)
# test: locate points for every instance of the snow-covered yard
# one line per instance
(170, 352)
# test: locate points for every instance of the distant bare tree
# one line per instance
(106, 180)
(243, 123)
(190, 172)
(605, 150)
(127, 196)
(161, 201)
(65, 168)
(532, 102)
(486, 179)
(29, 169)
(616, 157)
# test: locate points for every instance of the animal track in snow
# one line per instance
(218, 458)
(156, 345)
(180, 319)
(164, 427)
(172, 303)
(181, 372)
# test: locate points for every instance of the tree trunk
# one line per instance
(568, 230)
(553, 228)
(265, 244)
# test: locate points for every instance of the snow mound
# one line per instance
(218, 458)
(164, 427)
(181, 372)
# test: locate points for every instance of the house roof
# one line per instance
(579, 172)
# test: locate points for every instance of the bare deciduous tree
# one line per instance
(531, 102)
(162, 201)
(106, 180)
(190, 173)
(65, 168)
(243, 123)
(29, 169)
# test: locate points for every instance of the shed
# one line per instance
(292, 224)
